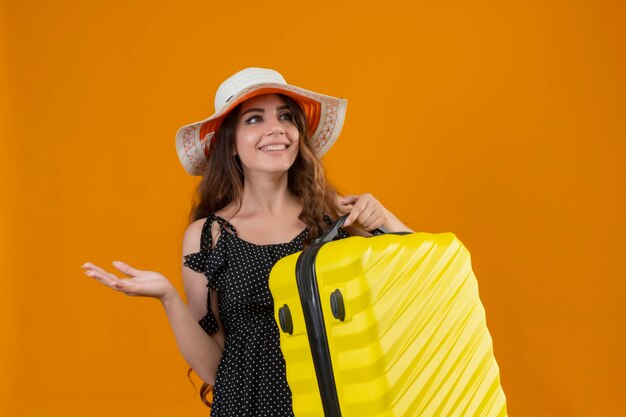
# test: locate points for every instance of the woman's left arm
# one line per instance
(367, 213)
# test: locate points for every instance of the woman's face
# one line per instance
(267, 137)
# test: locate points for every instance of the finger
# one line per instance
(107, 279)
(357, 208)
(371, 212)
(125, 268)
(125, 286)
(364, 208)
(344, 209)
(349, 199)
(88, 265)
(91, 267)
(366, 219)
(354, 214)
(375, 221)
(376, 215)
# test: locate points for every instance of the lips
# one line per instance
(273, 147)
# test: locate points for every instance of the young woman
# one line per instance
(263, 196)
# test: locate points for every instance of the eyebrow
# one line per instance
(260, 110)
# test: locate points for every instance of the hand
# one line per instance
(366, 212)
(142, 283)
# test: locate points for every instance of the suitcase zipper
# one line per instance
(306, 279)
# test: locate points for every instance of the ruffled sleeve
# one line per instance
(208, 261)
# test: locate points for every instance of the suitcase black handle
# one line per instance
(334, 230)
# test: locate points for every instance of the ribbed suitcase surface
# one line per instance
(413, 342)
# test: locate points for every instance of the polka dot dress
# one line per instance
(251, 378)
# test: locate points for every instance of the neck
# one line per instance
(267, 194)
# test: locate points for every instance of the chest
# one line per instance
(244, 279)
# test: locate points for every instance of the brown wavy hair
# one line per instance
(222, 180)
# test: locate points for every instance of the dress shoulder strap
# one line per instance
(224, 224)
(206, 240)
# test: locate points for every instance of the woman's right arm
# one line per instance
(201, 351)
(204, 351)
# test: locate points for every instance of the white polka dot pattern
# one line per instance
(251, 378)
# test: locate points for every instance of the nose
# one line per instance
(275, 127)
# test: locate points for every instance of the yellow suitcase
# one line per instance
(390, 325)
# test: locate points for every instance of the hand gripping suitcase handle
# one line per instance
(334, 230)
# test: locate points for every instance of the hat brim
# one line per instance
(324, 114)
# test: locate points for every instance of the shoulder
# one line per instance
(193, 236)
(206, 229)
(194, 230)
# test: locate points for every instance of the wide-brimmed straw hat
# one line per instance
(324, 114)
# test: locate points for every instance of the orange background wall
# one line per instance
(503, 122)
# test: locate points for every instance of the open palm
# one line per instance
(140, 283)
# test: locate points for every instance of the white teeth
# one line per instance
(270, 148)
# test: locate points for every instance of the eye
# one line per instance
(286, 116)
(254, 119)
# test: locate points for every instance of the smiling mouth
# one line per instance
(273, 148)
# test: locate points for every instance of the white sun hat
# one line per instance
(324, 114)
